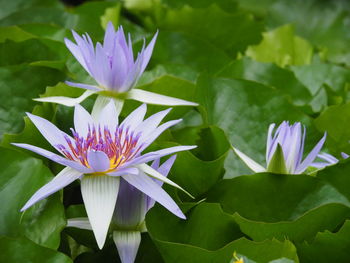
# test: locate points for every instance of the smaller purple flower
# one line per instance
(101, 153)
(284, 150)
(113, 66)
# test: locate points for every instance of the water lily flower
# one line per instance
(129, 215)
(113, 67)
(284, 151)
(100, 153)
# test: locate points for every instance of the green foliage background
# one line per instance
(248, 63)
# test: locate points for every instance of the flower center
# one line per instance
(120, 146)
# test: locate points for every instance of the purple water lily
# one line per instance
(101, 152)
(285, 149)
(129, 215)
(113, 66)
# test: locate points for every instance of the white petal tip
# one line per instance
(127, 243)
(158, 99)
(100, 195)
(254, 166)
(100, 242)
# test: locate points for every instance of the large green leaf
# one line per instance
(337, 176)
(208, 235)
(274, 197)
(10, 7)
(262, 252)
(30, 134)
(230, 31)
(199, 170)
(19, 84)
(268, 74)
(184, 48)
(282, 47)
(31, 50)
(41, 14)
(14, 33)
(228, 5)
(333, 120)
(319, 73)
(327, 246)
(55, 14)
(21, 176)
(324, 23)
(24, 250)
(303, 228)
(206, 226)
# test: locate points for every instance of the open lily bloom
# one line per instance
(129, 215)
(113, 67)
(284, 151)
(101, 152)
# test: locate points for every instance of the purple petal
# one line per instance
(328, 158)
(278, 138)
(269, 139)
(151, 123)
(301, 152)
(75, 50)
(130, 53)
(344, 155)
(82, 86)
(119, 68)
(312, 155)
(123, 171)
(158, 154)
(54, 157)
(132, 76)
(109, 39)
(64, 178)
(134, 118)
(164, 169)
(82, 121)
(155, 134)
(98, 161)
(155, 164)
(131, 206)
(87, 50)
(102, 72)
(147, 53)
(153, 190)
(109, 116)
(51, 133)
(294, 141)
